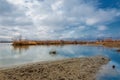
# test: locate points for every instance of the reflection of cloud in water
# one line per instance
(41, 53)
(11, 56)
(80, 51)
(21, 48)
(33, 54)
(107, 72)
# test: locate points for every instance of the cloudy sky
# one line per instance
(59, 19)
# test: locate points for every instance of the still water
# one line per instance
(10, 56)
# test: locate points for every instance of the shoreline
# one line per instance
(84, 68)
(111, 43)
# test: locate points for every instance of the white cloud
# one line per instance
(5, 37)
(102, 28)
(16, 2)
(57, 5)
(54, 19)
(91, 21)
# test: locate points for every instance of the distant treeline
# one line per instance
(48, 42)
(5, 41)
(107, 42)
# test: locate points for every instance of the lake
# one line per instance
(10, 55)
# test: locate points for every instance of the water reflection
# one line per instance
(20, 48)
(109, 73)
(14, 55)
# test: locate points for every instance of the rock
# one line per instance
(118, 50)
(113, 66)
(53, 52)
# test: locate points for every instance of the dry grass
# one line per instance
(54, 42)
(111, 44)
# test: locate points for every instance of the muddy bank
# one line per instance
(69, 69)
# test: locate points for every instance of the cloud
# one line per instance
(56, 19)
(7, 37)
(102, 28)
(11, 15)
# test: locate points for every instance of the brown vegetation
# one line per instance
(48, 42)
(111, 44)
(106, 43)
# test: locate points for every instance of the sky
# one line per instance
(59, 19)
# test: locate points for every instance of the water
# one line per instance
(10, 56)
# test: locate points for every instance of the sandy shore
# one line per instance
(69, 69)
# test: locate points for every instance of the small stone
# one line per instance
(113, 66)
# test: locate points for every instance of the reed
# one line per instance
(113, 43)
(52, 42)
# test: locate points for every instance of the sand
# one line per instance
(84, 68)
